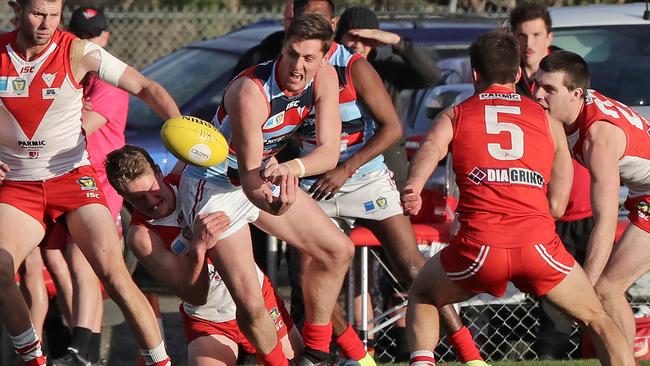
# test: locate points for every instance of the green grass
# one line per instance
(525, 363)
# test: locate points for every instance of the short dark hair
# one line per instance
(495, 56)
(530, 10)
(574, 67)
(127, 164)
(24, 3)
(299, 6)
(309, 26)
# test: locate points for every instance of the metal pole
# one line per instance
(364, 296)
(272, 258)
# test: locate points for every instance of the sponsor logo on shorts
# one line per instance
(200, 153)
(369, 206)
(87, 183)
(275, 315)
(506, 176)
(382, 202)
(643, 210)
(92, 195)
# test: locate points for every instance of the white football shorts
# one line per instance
(371, 196)
(198, 196)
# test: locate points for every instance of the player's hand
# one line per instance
(4, 169)
(209, 227)
(411, 200)
(329, 183)
(273, 172)
(87, 106)
(288, 187)
(377, 36)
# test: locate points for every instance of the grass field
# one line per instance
(528, 363)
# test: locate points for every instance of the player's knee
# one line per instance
(606, 289)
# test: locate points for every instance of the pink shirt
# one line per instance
(113, 104)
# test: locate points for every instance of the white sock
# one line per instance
(27, 344)
(422, 358)
(154, 355)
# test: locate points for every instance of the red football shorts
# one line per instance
(46, 200)
(483, 268)
(196, 327)
(639, 211)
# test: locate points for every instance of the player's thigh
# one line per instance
(212, 350)
(92, 228)
(237, 268)
(19, 235)
(307, 227)
(432, 285)
(575, 296)
(629, 260)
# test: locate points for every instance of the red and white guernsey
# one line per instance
(40, 111)
(634, 166)
(503, 154)
(220, 306)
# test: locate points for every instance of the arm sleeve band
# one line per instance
(110, 67)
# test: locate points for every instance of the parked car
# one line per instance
(196, 75)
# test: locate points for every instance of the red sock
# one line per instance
(317, 336)
(275, 357)
(464, 344)
(350, 344)
(422, 358)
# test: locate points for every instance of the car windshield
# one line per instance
(184, 74)
(618, 58)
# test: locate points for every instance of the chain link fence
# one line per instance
(141, 36)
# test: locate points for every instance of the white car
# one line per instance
(615, 42)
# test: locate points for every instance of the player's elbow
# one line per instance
(557, 207)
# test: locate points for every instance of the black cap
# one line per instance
(87, 22)
(356, 17)
(11, 3)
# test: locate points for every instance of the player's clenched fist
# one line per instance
(411, 200)
(208, 228)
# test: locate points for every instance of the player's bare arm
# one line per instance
(247, 109)
(559, 188)
(88, 57)
(328, 123)
(92, 121)
(433, 148)
(371, 90)
(186, 275)
(604, 146)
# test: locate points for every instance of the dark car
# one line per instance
(196, 75)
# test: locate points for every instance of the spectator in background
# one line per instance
(104, 120)
(530, 22)
(408, 67)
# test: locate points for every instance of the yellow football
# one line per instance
(194, 141)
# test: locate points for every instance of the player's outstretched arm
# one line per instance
(559, 188)
(604, 146)
(433, 148)
(371, 90)
(186, 276)
(88, 57)
(328, 124)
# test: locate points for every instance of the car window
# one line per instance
(184, 73)
(618, 58)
